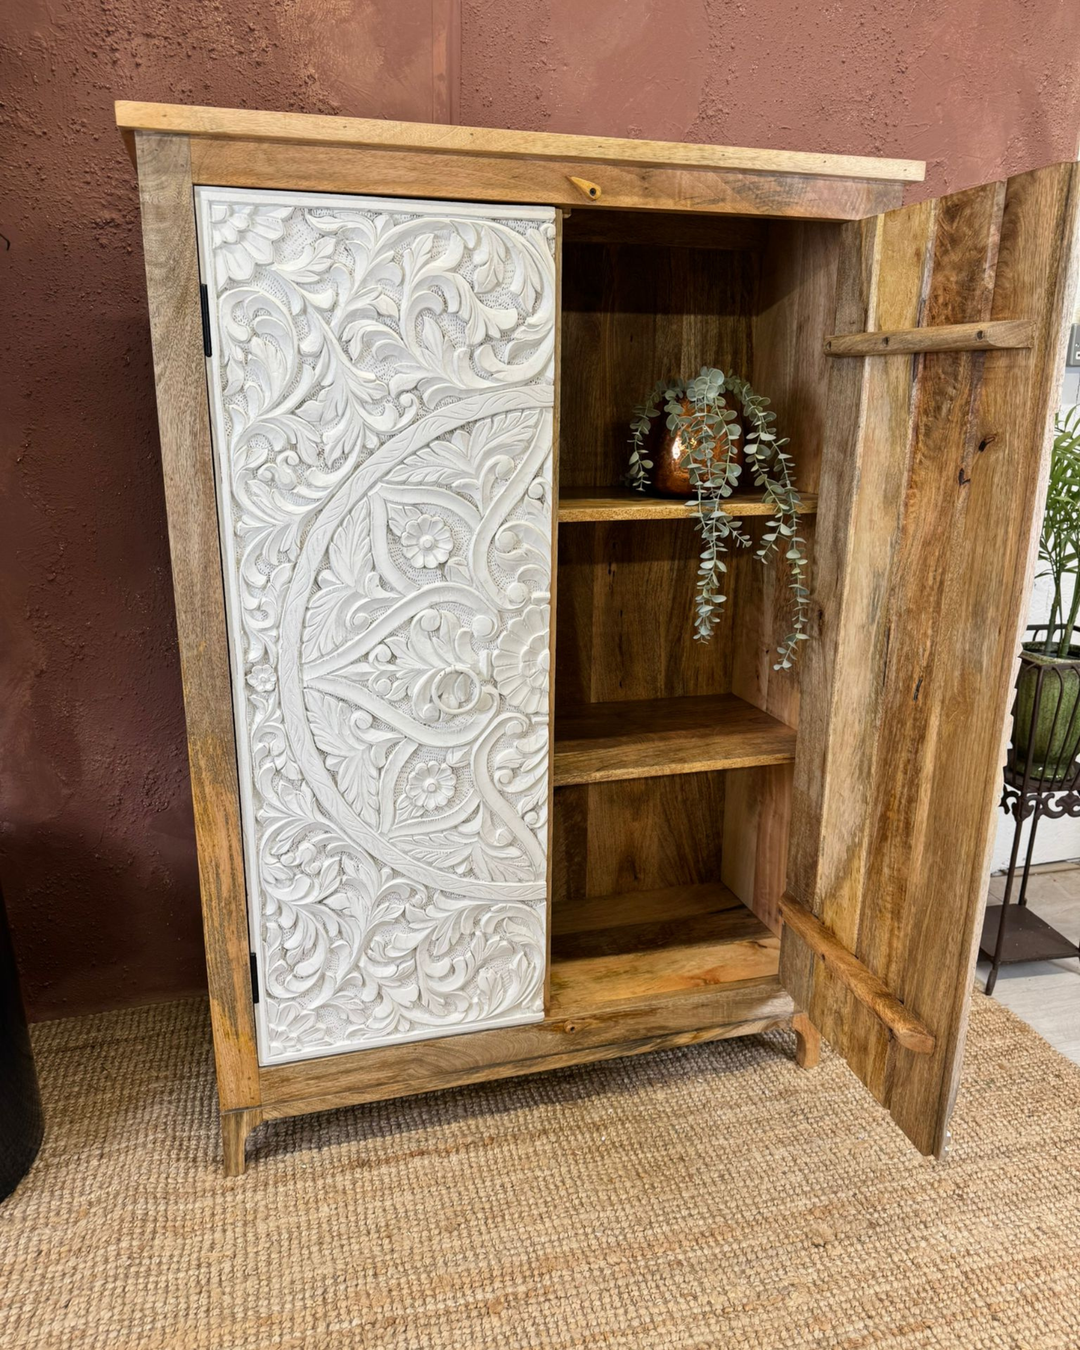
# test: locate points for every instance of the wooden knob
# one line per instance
(589, 189)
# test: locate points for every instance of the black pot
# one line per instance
(21, 1121)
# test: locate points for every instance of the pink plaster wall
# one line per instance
(96, 846)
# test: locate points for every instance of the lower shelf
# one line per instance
(645, 945)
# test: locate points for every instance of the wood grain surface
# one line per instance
(929, 497)
(871, 991)
(474, 177)
(306, 129)
(796, 298)
(172, 284)
(578, 505)
(601, 742)
(944, 337)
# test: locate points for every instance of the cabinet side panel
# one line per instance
(382, 382)
(172, 283)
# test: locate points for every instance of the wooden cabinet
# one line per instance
(470, 802)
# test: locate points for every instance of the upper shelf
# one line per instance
(584, 504)
(600, 742)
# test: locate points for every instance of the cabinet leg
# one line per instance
(807, 1042)
(235, 1128)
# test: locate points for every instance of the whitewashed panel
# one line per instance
(382, 384)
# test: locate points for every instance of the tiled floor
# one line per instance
(1046, 994)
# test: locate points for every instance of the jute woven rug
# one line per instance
(714, 1196)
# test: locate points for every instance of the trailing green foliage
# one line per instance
(1059, 543)
(702, 410)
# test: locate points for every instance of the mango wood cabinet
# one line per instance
(469, 800)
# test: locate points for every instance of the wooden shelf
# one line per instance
(599, 742)
(649, 944)
(604, 503)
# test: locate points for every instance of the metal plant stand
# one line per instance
(1042, 778)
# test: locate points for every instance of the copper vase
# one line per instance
(670, 454)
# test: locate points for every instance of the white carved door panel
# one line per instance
(382, 383)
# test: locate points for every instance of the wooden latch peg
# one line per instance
(590, 189)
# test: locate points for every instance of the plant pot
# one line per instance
(670, 454)
(1046, 716)
(21, 1124)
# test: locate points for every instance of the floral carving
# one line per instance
(244, 238)
(431, 785)
(426, 541)
(383, 390)
(521, 659)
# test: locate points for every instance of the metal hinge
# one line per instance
(254, 978)
(204, 308)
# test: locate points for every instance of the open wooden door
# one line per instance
(931, 493)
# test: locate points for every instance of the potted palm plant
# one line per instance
(1046, 715)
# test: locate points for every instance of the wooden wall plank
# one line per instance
(597, 852)
(666, 229)
(796, 304)
(172, 283)
(930, 547)
(634, 314)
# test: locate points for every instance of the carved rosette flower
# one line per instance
(430, 785)
(261, 678)
(426, 541)
(244, 238)
(521, 660)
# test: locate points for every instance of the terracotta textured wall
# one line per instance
(977, 88)
(97, 855)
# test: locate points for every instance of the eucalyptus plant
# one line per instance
(1059, 542)
(703, 411)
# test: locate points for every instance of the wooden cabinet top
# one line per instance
(377, 134)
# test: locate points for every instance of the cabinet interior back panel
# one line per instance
(382, 387)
